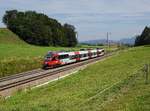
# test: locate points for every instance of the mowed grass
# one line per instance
(132, 95)
(93, 88)
(17, 56)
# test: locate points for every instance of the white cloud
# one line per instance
(92, 18)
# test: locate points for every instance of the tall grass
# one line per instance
(15, 65)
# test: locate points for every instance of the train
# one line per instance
(59, 58)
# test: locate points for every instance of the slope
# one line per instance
(8, 37)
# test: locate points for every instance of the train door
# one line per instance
(64, 58)
(77, 56)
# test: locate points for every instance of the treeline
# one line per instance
(144, 38)
(38, 29)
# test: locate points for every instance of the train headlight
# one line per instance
(46, 63)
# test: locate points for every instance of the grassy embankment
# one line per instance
(109, 85)
(17, 56)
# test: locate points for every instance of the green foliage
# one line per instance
(144, 38)
(39, 29)
(70, 35)
(91, 89)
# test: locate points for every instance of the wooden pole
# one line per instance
(146, 73)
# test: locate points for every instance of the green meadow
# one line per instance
(17, 56)
(114, 84)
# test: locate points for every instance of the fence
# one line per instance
(146, 70)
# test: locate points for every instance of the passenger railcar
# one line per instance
(54, 59)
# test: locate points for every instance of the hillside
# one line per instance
(8, 37)
(17, 56)
(115, 84)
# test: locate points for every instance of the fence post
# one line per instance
(146, 67)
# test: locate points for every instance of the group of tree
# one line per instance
(38, 29)
(144, 38)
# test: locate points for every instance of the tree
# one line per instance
(144, 38)
(38, 29)
(70, 35)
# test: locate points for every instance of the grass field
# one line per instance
(17, 56)
(109, 85)
(131, 95)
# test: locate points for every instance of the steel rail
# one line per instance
(20, 75)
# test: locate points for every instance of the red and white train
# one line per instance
(54, 59)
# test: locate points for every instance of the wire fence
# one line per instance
(146, 71)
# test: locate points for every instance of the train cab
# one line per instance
(51, 60)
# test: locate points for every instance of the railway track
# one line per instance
(26, 77)
(20, 75)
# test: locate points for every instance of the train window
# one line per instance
(77, 56)
(99, 52)
(89, 54)
(49, 55)
(73, 57)
(67, 56)
(60, 57)
(63, 56)
(85, 55)
(54, 58)
(80, 56)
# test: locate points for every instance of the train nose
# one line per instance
(45, 62)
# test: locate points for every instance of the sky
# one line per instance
(92, 18)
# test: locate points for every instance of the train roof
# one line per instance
(72, 52)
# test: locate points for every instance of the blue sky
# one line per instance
(92, 18)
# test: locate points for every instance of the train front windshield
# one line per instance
(49, 56)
